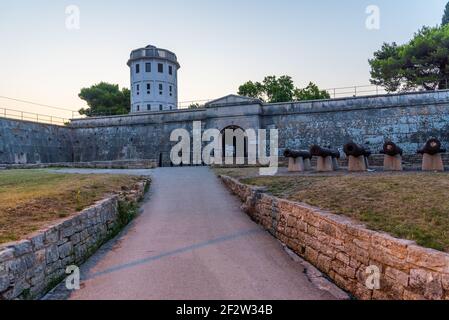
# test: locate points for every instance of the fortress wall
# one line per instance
(144, 136)
(28, 142)
(408, 119)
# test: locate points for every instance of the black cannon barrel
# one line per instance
(288, 153)
(318, 151)
(356, 150)
(391, 149)
(432, 147)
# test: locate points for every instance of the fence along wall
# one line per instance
(29, 142)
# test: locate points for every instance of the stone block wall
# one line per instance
(30, 268)
(29, 142)
(345, 250)
(118, 164)
(408, 119)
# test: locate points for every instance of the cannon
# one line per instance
(432, 147)
(392, 156)
(327, 158)
(297, 154)
(356, 150)
(391, 149)
(358, 156)
(317, 151)
(431, 152)
(298, 161)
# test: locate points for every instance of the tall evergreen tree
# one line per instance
(446, 15)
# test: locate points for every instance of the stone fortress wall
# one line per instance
(408, 119)
(24, 142)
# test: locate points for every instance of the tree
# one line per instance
(445, 19)
(311, 92)
(282, 89)
(195, 106)
(252, 89)
(279, 90)
(105, 99)
(421, 63)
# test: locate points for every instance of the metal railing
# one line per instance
(355, 91)
(337, 92)
(187, 104)
(30, 116)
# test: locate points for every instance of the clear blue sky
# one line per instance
(220, 44)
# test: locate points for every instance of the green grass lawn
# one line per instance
(32, 199)
(412, 205)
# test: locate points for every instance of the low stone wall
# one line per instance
(346, 251)
(30, 268)
(118, 164)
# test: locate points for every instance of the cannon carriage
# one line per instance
(431, 152)
(392, 156)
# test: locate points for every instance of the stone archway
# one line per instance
(239, 137)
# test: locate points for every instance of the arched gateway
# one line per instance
(234, 143)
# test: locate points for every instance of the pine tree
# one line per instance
(446, 15)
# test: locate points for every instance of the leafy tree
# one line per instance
(445, 19)
(252, 89)
(421, 63)
(282, 89)
(195, 106)
(105, 99)
(279, 90)
(311, 92)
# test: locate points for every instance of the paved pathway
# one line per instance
(192, 241)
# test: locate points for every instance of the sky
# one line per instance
(220, 44)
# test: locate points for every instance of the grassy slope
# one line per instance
(31, 199)
(413, 206)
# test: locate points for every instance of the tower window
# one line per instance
(171, 91)
(148, 67)
(148, 88)
(148, 107)
(138, 108)
(170, 70)
(160, 68)
(161, 88)
(137, 68)
(160, 107)
(137, 89)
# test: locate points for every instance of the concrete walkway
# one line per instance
(192, 241)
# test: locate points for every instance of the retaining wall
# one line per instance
(30, 268)
(344, 249)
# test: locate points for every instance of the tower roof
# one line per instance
(152, 52)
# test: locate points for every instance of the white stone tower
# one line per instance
(154, 80)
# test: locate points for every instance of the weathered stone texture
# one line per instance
(28, 267)
(408, 119)
(344, 249)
